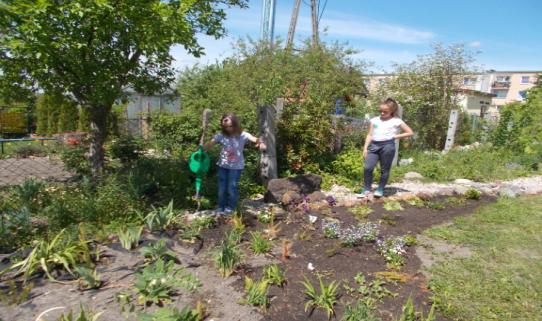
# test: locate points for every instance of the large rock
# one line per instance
(290, 197)
(463, 181)
(509, 190)
(303, 184)
(414, 176)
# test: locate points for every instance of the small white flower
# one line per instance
(310, 267)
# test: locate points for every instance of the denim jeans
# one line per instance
(227, 188)
(383, 152)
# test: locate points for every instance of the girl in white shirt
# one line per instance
(380, 145)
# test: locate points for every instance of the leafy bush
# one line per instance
(74, 159)
(88, 278)
(274, 275)
(25, 151)
(161, 218)
(15, 228)
(126, 148)
(358, 312)
(473, 194)
(156, 251)
(259, 244)
(129, 236)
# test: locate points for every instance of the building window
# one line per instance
(500, 93)
(468, 81)
(503, 78)
(522, 94)
(525, 79)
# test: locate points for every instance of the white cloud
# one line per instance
(383, 59)
(362, 28)
(215, 49)
(475, 44)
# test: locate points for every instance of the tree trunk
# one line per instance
(98, 134)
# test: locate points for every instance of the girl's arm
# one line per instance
(368, 139)
(259, 143)
(407, 131)
(209, 144)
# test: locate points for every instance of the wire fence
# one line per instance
(23, 159)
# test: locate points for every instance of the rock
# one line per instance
(290, 197)
(423, 196)
(413, 176)
(304, 184)
(406, 161)
(463, 181)
(316, 196)
(509, 191)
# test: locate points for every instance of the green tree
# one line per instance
(311, 79)
(427, 89)
(92, 50)
(56, 114)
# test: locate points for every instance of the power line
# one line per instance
(323, 9)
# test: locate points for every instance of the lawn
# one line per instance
(503, 279)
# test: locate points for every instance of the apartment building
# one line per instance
(502, 87)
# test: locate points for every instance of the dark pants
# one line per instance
(227, 188)
(383, 152)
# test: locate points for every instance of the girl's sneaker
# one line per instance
(219, 212)
(228, 212)
(363, 193)
(379, 192)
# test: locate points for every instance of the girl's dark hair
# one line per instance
(237, 130)
(392, 104)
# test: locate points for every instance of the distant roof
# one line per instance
(476, 92)
(479, 73)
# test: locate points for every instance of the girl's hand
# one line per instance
(262, 146)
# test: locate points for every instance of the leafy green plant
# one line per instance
(203, 222)
(455, 201)
(129, 236)
(415, 201)
(82, 316)
(331, 228)
(394, 248)
(88, 278)
(256, 293)
(361, 212)
(369, 292)
(28, 191)
(325, 299)
(157, 282)
(473, 194)
(61, 252)
(157, 250)
(409, 313)
(171, 314)
(259, 244)
(274, 275)
(227, 256)
(358, 312)
(392, 205)
(161, 218)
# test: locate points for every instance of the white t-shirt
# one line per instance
(385, 129)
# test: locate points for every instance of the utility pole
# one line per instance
(314, 15)
(268, 20)
(293, 23)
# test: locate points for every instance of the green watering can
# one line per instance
(199, 161)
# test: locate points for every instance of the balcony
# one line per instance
(501, 85)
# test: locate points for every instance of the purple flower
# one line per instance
(331, 200)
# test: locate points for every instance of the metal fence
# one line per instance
(18, 163)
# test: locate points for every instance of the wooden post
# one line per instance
(314, 18)
(396, 157)
(452, 126)
(267, 116)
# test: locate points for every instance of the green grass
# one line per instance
(502, 280)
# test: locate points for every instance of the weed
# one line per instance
(358, 312)
(274, 275)
(156, 282)
(409, 313)
(161, 218)
(62, 251)
(156, 251)
(88, 278)
(392, 205)
(303, 235)
(256, 293)
(455, 201)
(82, 316)
(325, 299)
(370, 292)
(259, 244)
(203, 222)
(28, 191)
(388, 219)
(264, 217)
(473, 194)
(15, 294)
(238, 225)
(227, 257)
(286, 246)
(361, 212)
(273, 229)
(434, 205)
(129, 236)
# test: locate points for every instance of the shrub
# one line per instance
(74, 159)
(156, 251)
(25, 151)
(161, 218)
(259, 244)
(126, 148)
(274, 275)
(227, 257)
(473, 194)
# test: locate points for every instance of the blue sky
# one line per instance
(507, 34)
